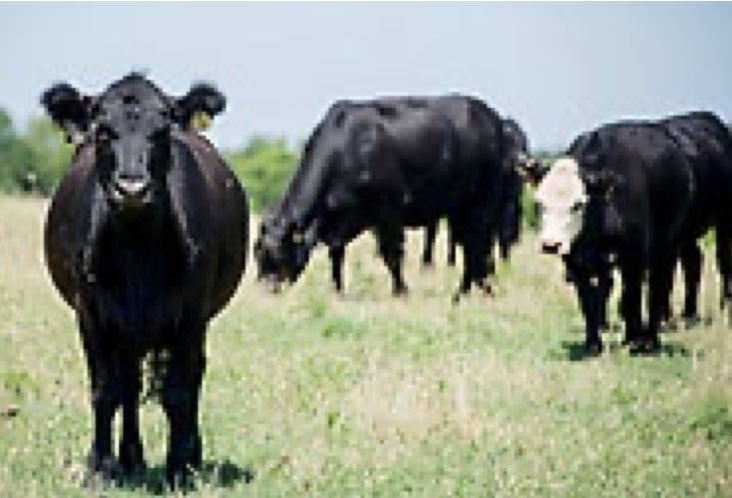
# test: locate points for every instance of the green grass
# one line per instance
(311, 394)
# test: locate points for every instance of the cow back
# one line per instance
(654, 183)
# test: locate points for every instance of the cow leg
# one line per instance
(451, 247)
(591, 299)
(660, 281)
(131, 456)
(478, 240)
(430, 234)
(391, 247)
(724, 264)
(180, 397)
(691, 263)
(504, 249)
(337, 255)
(105, 397)
(630, 302)
(477, 267)
(505, 231)
(605, 287)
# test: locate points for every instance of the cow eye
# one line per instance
(105, 134)
(577, 206)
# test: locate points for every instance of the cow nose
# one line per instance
(131, 186)
(550, 247)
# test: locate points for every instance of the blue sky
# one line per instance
(559, 68)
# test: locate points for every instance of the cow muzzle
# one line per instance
(274, 284)
(132, 192)
(552, 247)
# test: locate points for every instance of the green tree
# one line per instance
(34, 161)
(16, 158)
(264, 167)
(51, 154)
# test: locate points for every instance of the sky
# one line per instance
(558, 68)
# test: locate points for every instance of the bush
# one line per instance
(32, 162)
(264, 167)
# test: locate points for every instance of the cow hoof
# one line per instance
(594, 348)
(629, 341)
(132, 467)
(645, 347)
(401, 292)
(487, 289)
(691, 320)
(179, 479)
(101, 471)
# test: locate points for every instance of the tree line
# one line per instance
(33, 159)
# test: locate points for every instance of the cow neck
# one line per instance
(304, 195)
(131, 246)
(588, 252)
(139, 270)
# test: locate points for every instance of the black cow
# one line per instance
(385, 165)
(146, 239)
(509, 227)
(707, 143)
(621, 196)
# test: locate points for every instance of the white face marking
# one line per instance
(562, 198)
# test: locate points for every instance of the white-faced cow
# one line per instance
(384, 165)
(146, 239)
(621, 196)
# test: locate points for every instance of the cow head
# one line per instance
(562, 198)
(130, 128)
(565, 196)
(282, 251)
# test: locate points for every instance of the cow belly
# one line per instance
(137, 318)
(435, 201)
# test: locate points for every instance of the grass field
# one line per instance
(310, 394)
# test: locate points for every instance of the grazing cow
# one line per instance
(146, 239)
(621, 196)
(509, 227)
(385, 165)
(707, 143)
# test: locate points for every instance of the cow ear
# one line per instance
(196, 109)
(69, 109)
(531, 170)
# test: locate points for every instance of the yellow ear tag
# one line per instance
(200, 121)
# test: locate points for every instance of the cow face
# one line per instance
(282, 252)
(131, 132)
(130, 127)
(562, 198)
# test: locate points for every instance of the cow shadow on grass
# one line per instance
(574, 351)
(213, 474)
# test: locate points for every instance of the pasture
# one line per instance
(311, 394)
